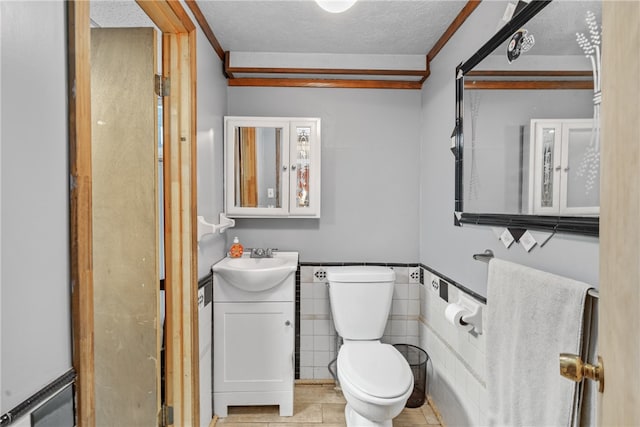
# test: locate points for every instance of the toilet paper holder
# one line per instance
(473, 315)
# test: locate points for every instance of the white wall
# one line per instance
(34, 283)
(449, 249)
(370, 178)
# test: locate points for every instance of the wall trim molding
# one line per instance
(228, 72)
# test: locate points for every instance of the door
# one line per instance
(619, 341)
(125, 226)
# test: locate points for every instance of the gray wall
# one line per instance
(35, 338)
(497, 152)
(447, 248)
(370, 174)
(212, 104)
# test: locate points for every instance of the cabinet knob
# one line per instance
(293, 167)
(287, 323)
(284, 168)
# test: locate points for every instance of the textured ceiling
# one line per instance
(369, 27)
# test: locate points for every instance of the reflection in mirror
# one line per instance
(529, 138)
(257, 162)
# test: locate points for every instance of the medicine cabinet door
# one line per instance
(565, 168)
(545, 168)
(580, 191)
(256, 163)
(304, 176)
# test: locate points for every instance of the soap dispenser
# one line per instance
(236, 248)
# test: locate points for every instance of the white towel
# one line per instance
(532, 317)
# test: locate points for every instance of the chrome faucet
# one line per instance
(262, 253)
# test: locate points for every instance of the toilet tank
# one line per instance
(360, 298)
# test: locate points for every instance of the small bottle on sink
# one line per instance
(236, 249)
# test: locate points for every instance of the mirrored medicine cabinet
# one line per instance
(272, 167)
(526, 139)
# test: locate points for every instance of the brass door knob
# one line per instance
(572, 367)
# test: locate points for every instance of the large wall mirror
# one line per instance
(527, 122)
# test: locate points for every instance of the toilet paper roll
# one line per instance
(453, 313)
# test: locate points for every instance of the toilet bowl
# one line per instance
(375, 378)
(376, 381)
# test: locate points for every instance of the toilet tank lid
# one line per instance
(360, 273)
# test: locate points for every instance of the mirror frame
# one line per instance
(587, 225)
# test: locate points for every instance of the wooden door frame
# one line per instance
(178, 53)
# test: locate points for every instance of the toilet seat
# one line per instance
(375, 369)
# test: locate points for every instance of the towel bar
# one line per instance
(488, 254)
(484, 257)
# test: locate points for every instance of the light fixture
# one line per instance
(335, 6)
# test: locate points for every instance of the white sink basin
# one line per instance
(256, 274)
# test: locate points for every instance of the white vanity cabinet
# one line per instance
(253, 346)
(272, 167)
(564, 168)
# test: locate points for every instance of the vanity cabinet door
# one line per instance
(253, 347)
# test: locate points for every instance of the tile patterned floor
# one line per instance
(316, 405)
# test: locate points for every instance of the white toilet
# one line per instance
(375, 378)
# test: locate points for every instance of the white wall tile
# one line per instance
(399, 307)
(306, 343)
(320, 290)
(321, 342)
(319, 274)
(402, 274)
(398, 327)
(400, 291)
(414, 275)
(321, 307)
(413, 308)
(414, 291)
(307, 306)
(306, 290)
(322, 358)
(306, 358)
(456, 355)
(321, 327)
(306, 274)
(321, 373)
(306, 327)
(306, 373)
(413, 329)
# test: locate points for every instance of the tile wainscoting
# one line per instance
(456, 371)
(316, 336)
